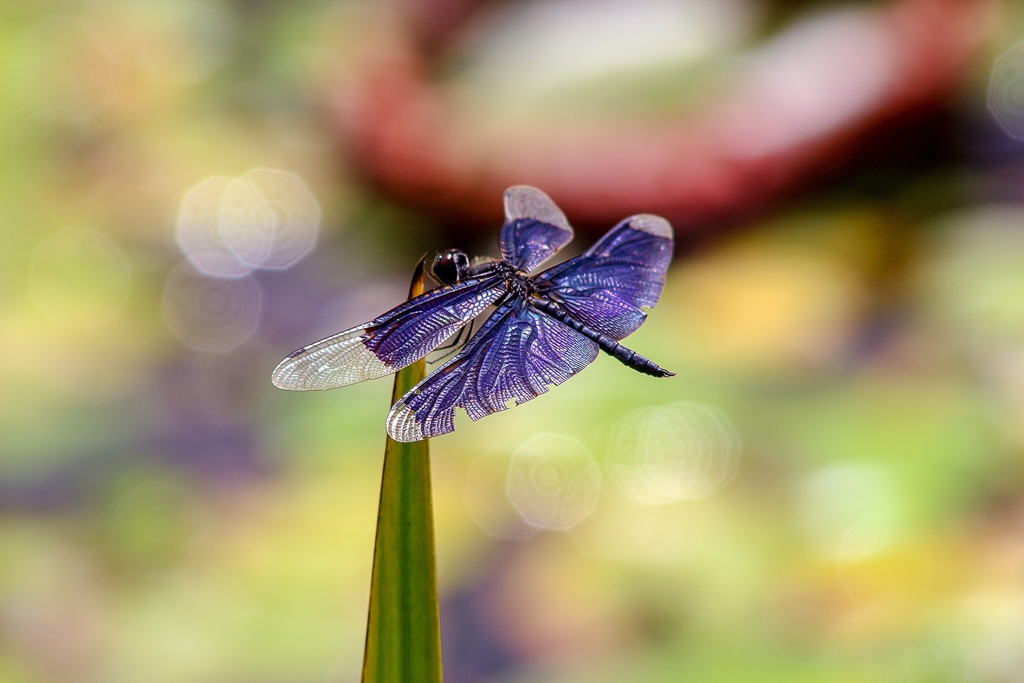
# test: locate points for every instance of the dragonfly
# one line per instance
(543, 329)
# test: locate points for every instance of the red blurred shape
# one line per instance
(801, 105)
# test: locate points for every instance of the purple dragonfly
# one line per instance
(544, 328)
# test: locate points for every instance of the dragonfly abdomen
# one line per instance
(624, 355)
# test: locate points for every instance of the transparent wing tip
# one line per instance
(524, 201)
(652, 225)
(284, 376)
(330, 363)
(402, 424)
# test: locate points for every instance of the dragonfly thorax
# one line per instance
(518, 283)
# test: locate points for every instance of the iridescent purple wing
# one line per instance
(390, 342)
(535, 228)
(606, 287)
(515, 355)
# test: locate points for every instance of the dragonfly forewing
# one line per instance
(390, 342)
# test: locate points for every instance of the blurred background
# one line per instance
(830, 489)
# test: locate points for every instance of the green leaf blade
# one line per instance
(403, 633)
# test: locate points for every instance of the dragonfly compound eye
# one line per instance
(450, 267)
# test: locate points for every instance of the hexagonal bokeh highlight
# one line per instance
(198, 230)
(1006, 91)
(296, 220)
(247, 223)
(553, 481)
(673, 452)
(265, 219)
(210, 313)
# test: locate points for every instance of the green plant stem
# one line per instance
(403, 632)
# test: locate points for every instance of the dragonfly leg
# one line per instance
(453, 346)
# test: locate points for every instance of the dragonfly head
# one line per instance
(450, 267)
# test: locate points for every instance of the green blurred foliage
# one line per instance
(867, 347)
